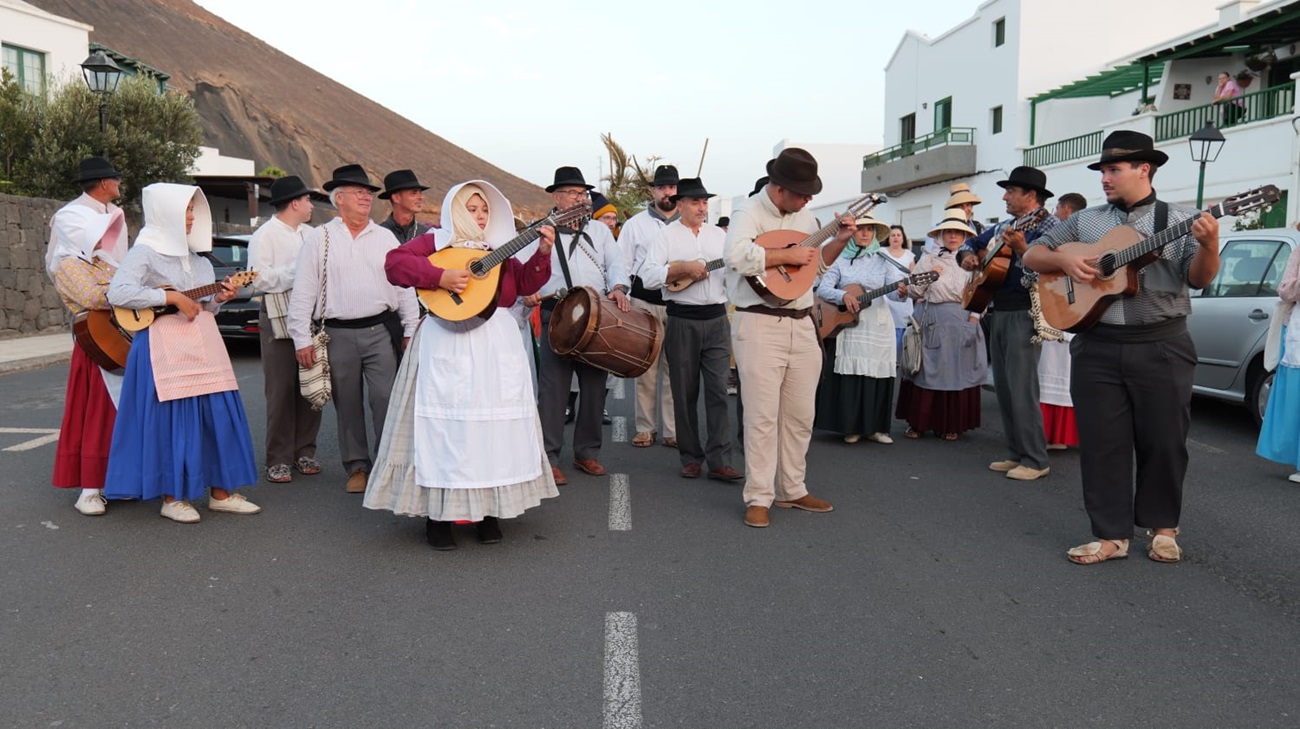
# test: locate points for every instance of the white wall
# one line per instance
(65, 43)
(211, 162)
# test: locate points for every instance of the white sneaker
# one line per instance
(233, 504)
(880, 438)
(180, 511)
(1293, 478)
(91, 503)
(852, 438)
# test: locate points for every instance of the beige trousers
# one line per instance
(647, 385)
(779, 361)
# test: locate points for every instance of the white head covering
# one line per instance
(501, 218)
(75, 230)
(164, 221)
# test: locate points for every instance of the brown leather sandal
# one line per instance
(1091, 553)
(1164, 548)
(644, 440)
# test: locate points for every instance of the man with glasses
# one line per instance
(582, 257)
(368, 320)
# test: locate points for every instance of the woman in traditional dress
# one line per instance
(900, 249)
(944, 395)
(181, 426)
(1054, 394)
(463, 441)
(1279, 436)
(85, 249)
(856, 391)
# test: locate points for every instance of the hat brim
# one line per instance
(1155, 157)
(963, 198)
(334, 184)
(694, 195)
(951, 225)
(813, 187)
(882, 228)
(1004, 184)
(575, 183)
(288, 198)
(99, 176)
(389, 193)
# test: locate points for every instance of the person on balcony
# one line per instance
(1227, 95)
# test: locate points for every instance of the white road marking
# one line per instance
(618, 429)
(620, 503)
(622, 673)
(29, 430)
(51, 435)
(49, 525)
(1204, 446)
(620, 389)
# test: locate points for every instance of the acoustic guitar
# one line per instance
(134, 320)
(831, 318)
(484, 288)
(1075, 307)
(779, 285)
(101, 339)
(992, 271)
(686, 281)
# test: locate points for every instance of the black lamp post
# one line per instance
(1206, 144)
(102, 77)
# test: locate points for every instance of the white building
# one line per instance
(35, 45)
(957, 106)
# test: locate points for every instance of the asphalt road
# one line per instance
(937, 594)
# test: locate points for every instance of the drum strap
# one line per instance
(573, 247)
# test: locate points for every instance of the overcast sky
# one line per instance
(530, 86)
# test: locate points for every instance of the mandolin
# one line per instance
(480, 296)
(831, 318)
(779, 285)
(134, 320)
(686, 281)
(992, 271)
(1120, 255)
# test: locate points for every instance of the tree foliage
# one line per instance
(628, 182)
(151, 137)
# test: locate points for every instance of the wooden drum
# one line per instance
(589, 328)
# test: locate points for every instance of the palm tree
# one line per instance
(628, 182)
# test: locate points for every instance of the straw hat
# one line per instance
(882, 229)
(960, 194)
(951, 224)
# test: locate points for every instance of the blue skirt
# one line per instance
(177, 448)
(1279, 436)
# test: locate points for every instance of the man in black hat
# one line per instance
(406, 196)
(639, 232)
(1012, 352)
(776, 347)
(291, 423)
(340, 279)
(697, 336)
(1131, 375)
(586, 257)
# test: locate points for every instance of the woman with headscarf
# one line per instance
(181, 427)
(944, 394)
(85, 249)
(857, 385)
(463, 441)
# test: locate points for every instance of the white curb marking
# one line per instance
(622, 673)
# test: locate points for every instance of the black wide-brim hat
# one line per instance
(1129, 146)
(1030, 178)
(569, 177)
(665, 175)
(691, 187)
(96, 168)
(287, 188)
(398, 181)
(795, 170)
(350, 175)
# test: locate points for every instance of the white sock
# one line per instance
(90, 492)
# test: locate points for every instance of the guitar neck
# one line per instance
(715, 264)
(1159, 240)
(860, 207)
(511, 247)
(203, 291)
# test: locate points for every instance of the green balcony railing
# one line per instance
(941, 138)
(1255, 106)
(1084, 145)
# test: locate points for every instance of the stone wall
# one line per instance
(28, 301)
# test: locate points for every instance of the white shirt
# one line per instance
(599, 264)
(744, 258)
(273, 253)
(676, 242)
(357, 286)
(638, 233)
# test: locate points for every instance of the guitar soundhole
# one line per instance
(476, 268)
(1107, 265)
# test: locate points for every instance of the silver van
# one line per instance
(1230, 317)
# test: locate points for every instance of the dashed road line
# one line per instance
(622, 673)
(50, 435)
(620, 503)
(618, 429)
(620, 388)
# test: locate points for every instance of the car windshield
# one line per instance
(231, 252)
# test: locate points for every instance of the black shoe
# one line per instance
(604, 417)
(489, 530)
(439, 535)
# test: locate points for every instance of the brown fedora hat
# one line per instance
(795, 170)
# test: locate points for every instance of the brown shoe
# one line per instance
(357, 483)
(726, 474)
(590, 467)
(756, 516)
(691, 470)
(807, 503)
(560, 480)
(670, 442)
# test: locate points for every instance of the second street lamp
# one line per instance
(1206, 143)
(102, 77)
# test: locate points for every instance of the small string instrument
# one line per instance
(992, 271)
(686, 281)
(134, 320)
(831, 318)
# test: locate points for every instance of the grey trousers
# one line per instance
(362, 366)
(1015, 377)
(554, 375)
(291, 424)
(699, 351)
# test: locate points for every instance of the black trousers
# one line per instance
(699, 353)
(554, 376)
(1132, 399)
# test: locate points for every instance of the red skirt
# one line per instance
(81, 457)
(941, 411)
(1058, 422)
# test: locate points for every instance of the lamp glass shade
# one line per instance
(1206, 143)
(101, 74)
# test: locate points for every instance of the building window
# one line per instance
(907, 128)
(995, 119)
(943, 114)
(27, 67)
(999, 32)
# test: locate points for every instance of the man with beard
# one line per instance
(406, 195)
(639, 232)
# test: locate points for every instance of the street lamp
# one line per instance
(1206, 144)
(102, 77)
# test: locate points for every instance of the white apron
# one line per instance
(1054, 373)
(475, 410)
(1291, 337)
(868, 348)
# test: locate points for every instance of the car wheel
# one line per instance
(1257, 398)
